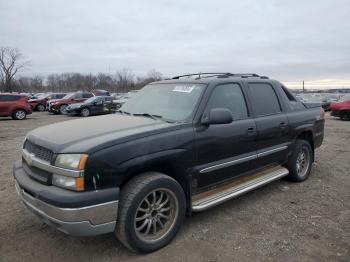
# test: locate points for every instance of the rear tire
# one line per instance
(300, 163)
(151, 210)
(40, 107)
(19, 114)
(344, 115)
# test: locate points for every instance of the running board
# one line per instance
(213, 197)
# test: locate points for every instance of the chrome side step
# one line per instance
(231, 190)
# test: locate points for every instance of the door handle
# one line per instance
(283, 125)
(251, 131)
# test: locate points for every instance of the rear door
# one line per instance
(225, 150)
(7, 103)
(272, 124)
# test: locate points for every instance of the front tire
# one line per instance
(151, 210)
(300, 163)
(85, 112)
(63, 109)
(19, 114)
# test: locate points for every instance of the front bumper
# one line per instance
(72, 217)
(53, 109)
(335, 113)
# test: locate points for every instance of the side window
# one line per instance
(229, 96)
(9, 98)
(87, 95)
(264, 99)
(78, 96)
(289, 95)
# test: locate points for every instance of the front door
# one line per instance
(225, 150)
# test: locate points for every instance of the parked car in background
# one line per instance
(313, 98)
(342, 108)
(100, 92)
(123, 98)
(40, 103)
(16, 106)
(96, 105)
(58, 106)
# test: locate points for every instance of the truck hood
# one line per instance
(91, 134)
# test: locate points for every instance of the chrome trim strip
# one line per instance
(238, 190)
(32, 160)
(241, 160)
(94, 214)
(271, 151)
(229, 163)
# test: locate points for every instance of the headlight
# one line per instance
(71, 161)
(73, 183)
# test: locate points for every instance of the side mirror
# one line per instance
(217, 116)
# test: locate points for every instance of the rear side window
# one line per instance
(78, 96)
(9, 98)
(264, 99)
(229, 96)
(87, 95)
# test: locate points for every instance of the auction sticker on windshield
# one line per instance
(184, 89)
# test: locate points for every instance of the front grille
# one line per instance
(39, 151)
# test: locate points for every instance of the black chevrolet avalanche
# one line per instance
(178, 146)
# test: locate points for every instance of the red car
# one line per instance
(342, 109)
(16, 106)
(58, 106)
(39, 104)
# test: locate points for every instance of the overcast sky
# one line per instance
(287, 40)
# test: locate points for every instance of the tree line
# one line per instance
(12, 62)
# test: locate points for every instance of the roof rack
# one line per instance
(199, 75)
(221, 75)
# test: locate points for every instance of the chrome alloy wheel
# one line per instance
(156, 215)
(20, 114)
(303, 161)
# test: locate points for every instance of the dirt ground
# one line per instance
(282, 221)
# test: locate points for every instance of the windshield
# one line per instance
(91, 99)
(174, 102)
(67, 96)
(43, 96)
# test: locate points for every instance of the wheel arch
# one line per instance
(308, 136)
(161, 162)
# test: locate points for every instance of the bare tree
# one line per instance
(125, 79)
(10, 65)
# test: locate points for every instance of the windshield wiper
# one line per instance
(155, 117)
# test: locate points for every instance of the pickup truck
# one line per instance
(178, 146)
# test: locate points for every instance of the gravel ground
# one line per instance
(282, 221)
